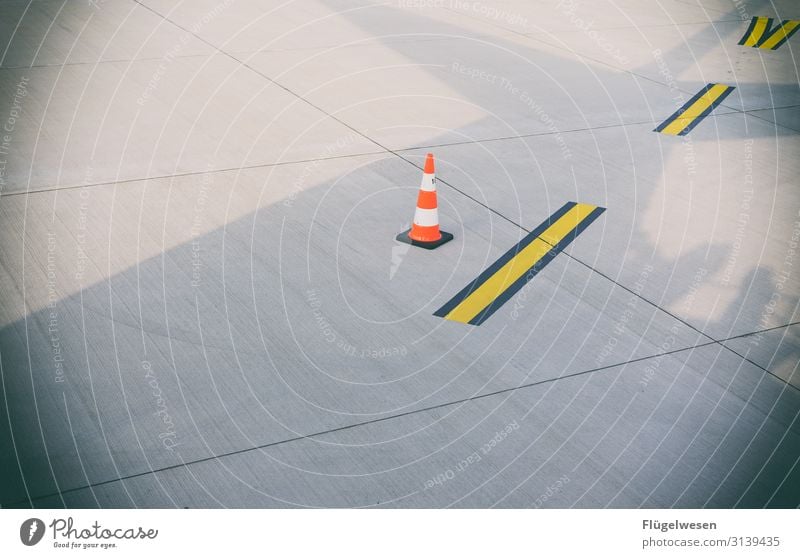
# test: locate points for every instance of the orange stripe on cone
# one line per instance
(425, 234)
(427, 199)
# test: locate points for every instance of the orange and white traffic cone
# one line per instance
(424, 231)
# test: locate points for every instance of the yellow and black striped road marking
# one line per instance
(697, 108)
(495, 286)
(760, 34)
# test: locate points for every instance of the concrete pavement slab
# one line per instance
(52, 33)
(253, 26)
(223, 318)
(713, 215)
(658, 433)
(785, 117)
(412, 94)
(775, 350)
(236, 333)
(555, 17)
(687, 57)
(132, 120)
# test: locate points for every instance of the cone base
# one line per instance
(403, 237)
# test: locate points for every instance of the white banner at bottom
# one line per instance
(399, 533)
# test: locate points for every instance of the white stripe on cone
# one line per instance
(426, 217)
(428, 183)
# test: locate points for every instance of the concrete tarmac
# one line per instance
(204, 304)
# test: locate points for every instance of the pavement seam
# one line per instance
(357, 425)
(763, 119)
(412, 37)
(397, 151)
(47, 189)
(396, 416)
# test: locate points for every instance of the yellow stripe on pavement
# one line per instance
(509, 273)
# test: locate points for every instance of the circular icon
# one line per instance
(31, 531)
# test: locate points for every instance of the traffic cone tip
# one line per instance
(429, 168)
